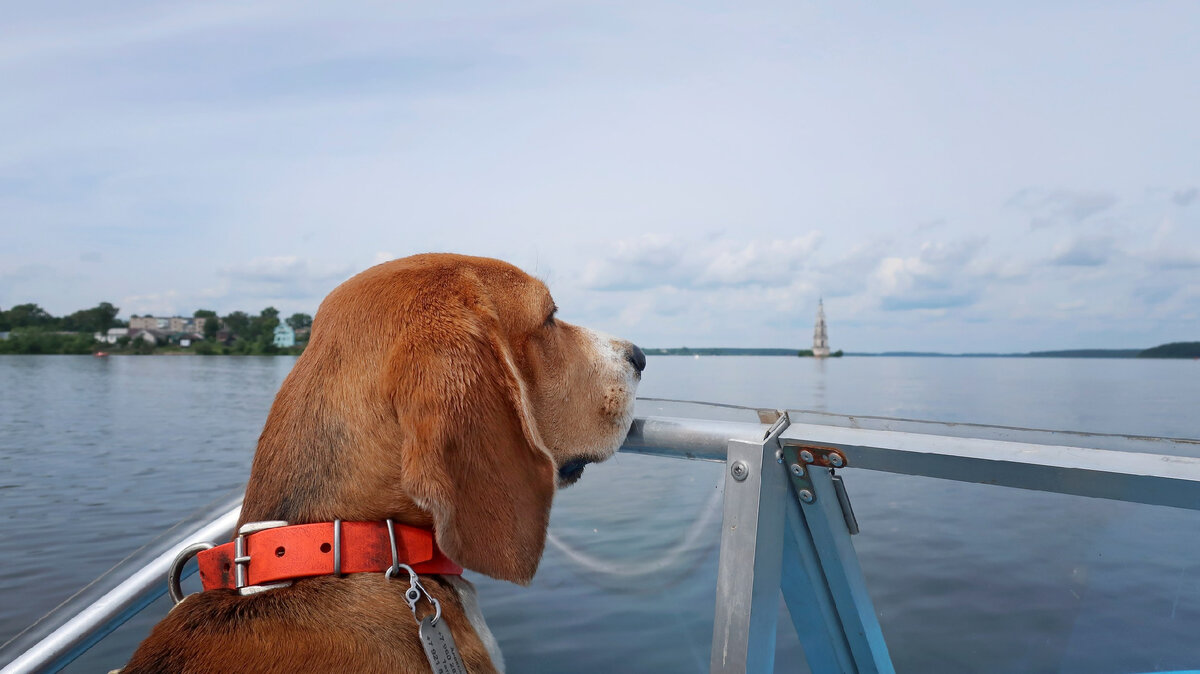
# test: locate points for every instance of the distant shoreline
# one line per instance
(708, 353)
(43, 343)
(1175, 350)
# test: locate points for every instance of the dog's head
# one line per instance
(446, 391)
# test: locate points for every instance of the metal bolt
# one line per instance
(806, 496)
(739, 470)
(797, 470)
(779, 456)
(836, 460)
(807, 456)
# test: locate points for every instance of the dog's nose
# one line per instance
(637, 357)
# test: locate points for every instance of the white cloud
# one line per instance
(768, 263)
(165, 303)
(646, 261)
(1185, 197)
(940, 276)
(284, 269)
(1047, 208)
(1083, 251)
(1171, 249)
(654, 261)
(288, 282)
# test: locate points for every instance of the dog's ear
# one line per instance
(470, 457)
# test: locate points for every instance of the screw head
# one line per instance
(807, 456)
(739, 470)
(806, 496)
(797, 470)
(836, 459)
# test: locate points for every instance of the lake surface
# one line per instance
(98, 455)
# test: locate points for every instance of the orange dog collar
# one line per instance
(274, 552)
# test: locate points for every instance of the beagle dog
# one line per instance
(438, 393)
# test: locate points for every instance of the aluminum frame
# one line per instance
(819, 574)
(75, 633)
(1154, 473)
(751, 562)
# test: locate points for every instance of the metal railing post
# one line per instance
(747, 606)
(809, 601)
(826, 524)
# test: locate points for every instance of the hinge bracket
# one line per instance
(799, 458)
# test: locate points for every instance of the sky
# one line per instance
(952, 177)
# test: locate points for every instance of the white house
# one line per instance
(284, 335)
(111, 336)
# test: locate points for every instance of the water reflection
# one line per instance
(819, 384)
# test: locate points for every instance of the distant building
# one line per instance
(148, 323)
(184, 338)
(111, 336)
(820, 336)
(285, 336)
(170, 324)
(150, 336)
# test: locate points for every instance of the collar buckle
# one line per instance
(241, 560)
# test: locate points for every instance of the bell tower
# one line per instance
(820, 347)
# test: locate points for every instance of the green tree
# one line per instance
(29, 316)
(238, 323)
(106, 316)
(5, 326)
(97, 319)
(1173, 350)
(142, 348)
(268, 321)
(262, 327)
(211, 323)
(298, 321)
(41, 341)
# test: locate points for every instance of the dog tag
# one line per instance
(439, 647)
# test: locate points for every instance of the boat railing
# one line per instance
(786, 528)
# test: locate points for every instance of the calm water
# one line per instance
(97, 455)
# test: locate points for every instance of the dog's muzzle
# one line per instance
(570, 472)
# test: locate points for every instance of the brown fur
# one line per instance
(434, 391)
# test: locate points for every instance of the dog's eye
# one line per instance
(549, 322)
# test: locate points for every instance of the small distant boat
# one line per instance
(101, 354)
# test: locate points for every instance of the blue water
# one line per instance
(97, 455)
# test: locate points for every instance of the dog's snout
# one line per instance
(637, 357)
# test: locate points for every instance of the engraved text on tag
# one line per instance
(439, 647)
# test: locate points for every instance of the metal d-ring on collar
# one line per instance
(175, 573)
(415, 589)
(240, 561)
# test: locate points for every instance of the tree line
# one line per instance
(97, 319)
(34, 330)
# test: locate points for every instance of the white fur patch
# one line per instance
(470, 606)
(612, 356)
